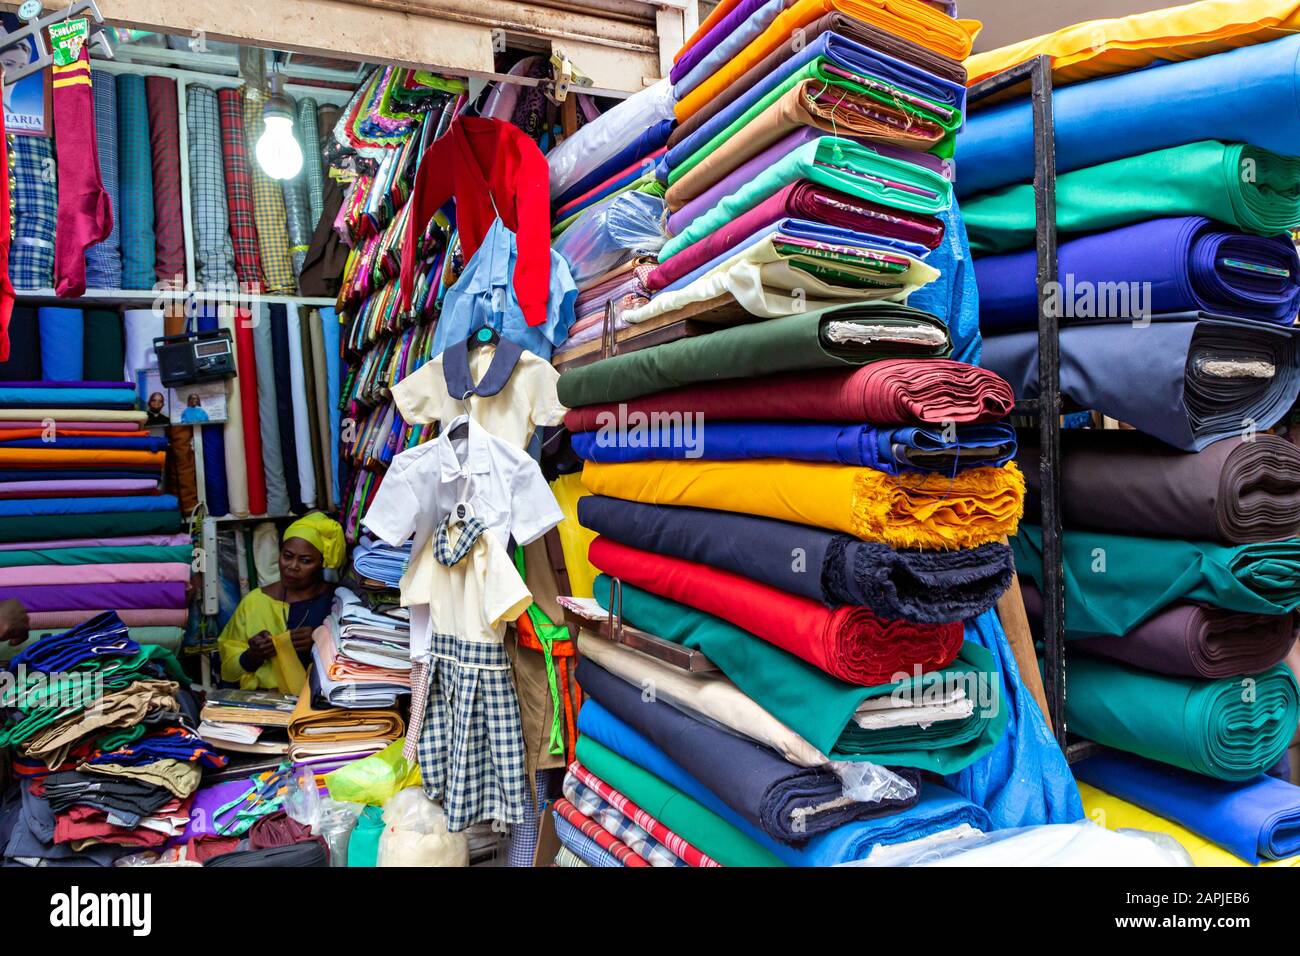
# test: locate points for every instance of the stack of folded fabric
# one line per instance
(247, 721)
(362, 657)
(1179, 287)
(103, 734)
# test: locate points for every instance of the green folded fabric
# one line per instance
(103, 346)
(111, 525)
(790, 344)
(1250, 188)
(819, 707)
(838, 164)
(1115, 582)
(816, 70)
(108, 555)
(1232, 729)
(692, 821)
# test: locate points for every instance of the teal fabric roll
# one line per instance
(135, 167)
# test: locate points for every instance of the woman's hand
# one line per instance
(301, 637)
(261, 646)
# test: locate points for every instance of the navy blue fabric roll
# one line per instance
(216, 494)
(890, 450)
(24, 364)
(931, 587)
(1162, 266)
(1255, 820)
(284, 405)
(645, 144)
(777, 797)
(106, 441)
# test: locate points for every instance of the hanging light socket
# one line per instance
(278, 152)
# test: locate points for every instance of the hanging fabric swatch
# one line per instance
(135, 167)
(61, 344)
(309, 139)
(85, 215)
(268, 415)
(214, 255)
(35, 202)
(104, 259)
(165, 139)
(268, 208)
(239, 190)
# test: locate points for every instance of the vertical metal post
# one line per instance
(1049, 396)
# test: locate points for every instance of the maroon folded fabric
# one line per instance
(896, 392)
(165, 140)
(85, 213)
(850, 643)
(280, 829)
(800, 200)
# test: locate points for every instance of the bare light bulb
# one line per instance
(278, 152)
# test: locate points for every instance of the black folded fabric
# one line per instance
(792, 804)
(1237, 491)
(24, 363)
(125, 798)
(308, 853)
(929, 587)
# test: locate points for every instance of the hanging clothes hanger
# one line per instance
(34, 33)
(484, 336)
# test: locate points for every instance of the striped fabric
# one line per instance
(168, 212)
(268, 208)
(312, 161)
(593, 845)
(214, 256)
(135, 169)
(239, 190)
(104, 259)
(34, 193)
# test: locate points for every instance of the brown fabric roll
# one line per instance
(832, 109)
(180, 477)
(1235, 491)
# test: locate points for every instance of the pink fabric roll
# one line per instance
(151, 617)
(129, 541)
(137, 572)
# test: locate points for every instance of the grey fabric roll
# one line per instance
(277, 493)
(214, 253)
(309, 138)
(297, 210)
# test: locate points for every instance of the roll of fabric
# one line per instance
(104, 259)
(149, 572)
(850, 643)
(234, 446)
(214, 255)
(955, 295)
(794, 343)
(889, 392)
(1192, 640)
(1207, 727)
(28, 527)
(216, 479)
(320, 467)
(246, 361)
(335, 725)
(822, 709)
(330, 332)
(1171, 265)
(300, 420)
(239, 189)
(1205, 378)
(1256, 820)
(284, 404)
(789, 803)
(135, 166)
(1145, 575)
(165, 143)
(907, 511)
(141, 327)
(297, 214)
(685, 816)
(1246, 95)
(60, 597)
(1243, 186)
(25, 396)
(34, 193)
(889, 450)
(319, 396)
(1236, 491)
(24, 362)
(926, 586)
(309, 137)
(268, 407)
(62, 343)
(268, 208)
(90, 555)
(103, 345)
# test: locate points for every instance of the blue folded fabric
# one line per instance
(646, 143)
(104, 635)
(24, 507)
(1255, 820)
(1160, 266)
(1249, 95)
(711, 60)
(381, 562)
(142, 443)
(891, 450)
(848, 55)
(937, 809)
(62, 330)
(631, 176)
(582, 846)
(68, 397)
(329, 320)
(954, 296)
(808, 230)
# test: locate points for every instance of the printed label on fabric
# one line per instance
(67, 38)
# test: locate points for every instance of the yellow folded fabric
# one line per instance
(909, 19)
(336, 725)
(574, 538)
(290, 675)
(905, 511)
(1096, 48)
(1115, 814)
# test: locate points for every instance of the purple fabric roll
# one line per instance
(60, 597)
(719, 32)
(73, 488)
(71, 384)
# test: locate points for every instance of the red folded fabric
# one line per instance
(604, 839)
(850, 643)
(896, 392)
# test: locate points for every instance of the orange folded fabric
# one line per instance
(78, 458)
(909, 19)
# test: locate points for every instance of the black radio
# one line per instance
(193, 357)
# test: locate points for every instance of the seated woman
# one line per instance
(284, 613)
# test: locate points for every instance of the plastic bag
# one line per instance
(611, 232)
(603, 138)
(302, 800)
(373, 780)
(415, 833)
(869, 783)
(335, 825)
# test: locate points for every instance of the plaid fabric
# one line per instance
(419, 704)
(239, 189)
(566, 813)
(675, 844)
(34, 190)
(582, 846)
(566, 858)
(104, 259)
(309, 137)
(135, 169)
(445, 552)
(593, 805)
(296, 213)
(268, 208)
(214, 255)
(165, 138)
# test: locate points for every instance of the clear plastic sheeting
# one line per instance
(603, 139)
(869, 783)
(611, 233)
(415, 833)
(1058, 844)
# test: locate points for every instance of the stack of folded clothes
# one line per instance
(362, 657)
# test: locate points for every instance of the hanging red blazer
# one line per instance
(491, 168)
